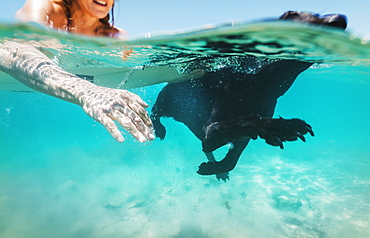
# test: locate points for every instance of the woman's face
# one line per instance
(96, 8)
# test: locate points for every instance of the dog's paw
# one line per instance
(222, 176)
(159, 129)
(209, 168)
(160, 133)
(277, 131)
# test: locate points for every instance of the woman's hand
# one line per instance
(107, 105)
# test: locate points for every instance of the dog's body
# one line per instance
(232, 107)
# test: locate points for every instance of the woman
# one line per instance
(31, 67)
(88, 17)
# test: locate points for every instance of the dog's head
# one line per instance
(333, 20)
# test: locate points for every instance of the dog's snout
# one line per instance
(335, 20)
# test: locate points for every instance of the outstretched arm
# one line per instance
(31, 67)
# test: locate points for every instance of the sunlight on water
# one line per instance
(62, 175)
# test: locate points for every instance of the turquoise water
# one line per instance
(62, 175)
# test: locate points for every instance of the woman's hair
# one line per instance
(67, 5)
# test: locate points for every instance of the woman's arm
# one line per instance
(34, 69)
(31, 67)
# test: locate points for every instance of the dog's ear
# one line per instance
(289, 15)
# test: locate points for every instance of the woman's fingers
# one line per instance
(138, 125)
(126, 108)
(109, 124)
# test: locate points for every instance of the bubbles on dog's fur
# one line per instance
(230, 145)
(238, 64)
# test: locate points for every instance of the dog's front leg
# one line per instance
(222, 176)
(228, 163)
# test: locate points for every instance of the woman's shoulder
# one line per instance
(112, 31)
(57, 7)
(121, 33)
(42, 11)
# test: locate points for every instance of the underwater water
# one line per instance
(62, 175)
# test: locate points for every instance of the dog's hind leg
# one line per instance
(228, 163)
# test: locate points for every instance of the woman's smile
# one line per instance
(96, 8)
(100, 3)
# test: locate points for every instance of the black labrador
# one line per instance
(233, 107)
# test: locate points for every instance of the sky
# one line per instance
(142, 16)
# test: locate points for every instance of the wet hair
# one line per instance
(67, 4)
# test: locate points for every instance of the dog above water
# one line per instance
(228, 106)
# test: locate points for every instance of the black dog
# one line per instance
(233, 107)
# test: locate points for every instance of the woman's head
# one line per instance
(95, 8)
